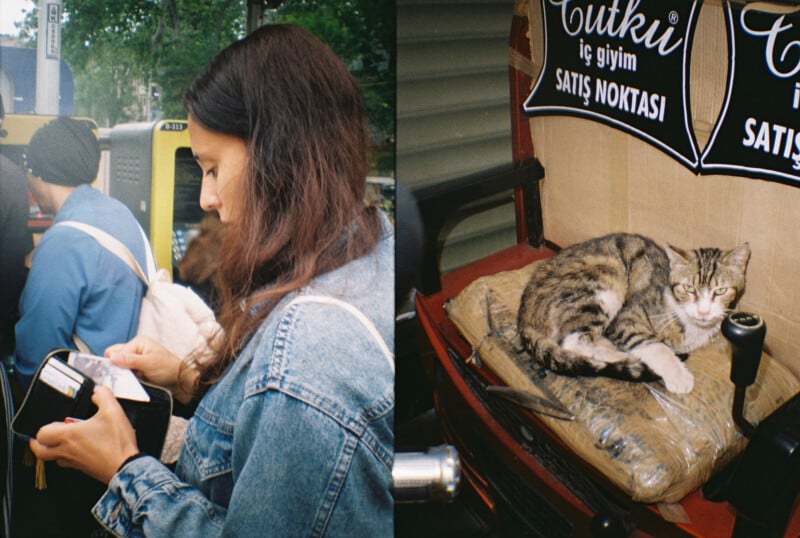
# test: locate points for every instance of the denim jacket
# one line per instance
(296, 439)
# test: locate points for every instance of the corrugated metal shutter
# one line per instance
(453, 107)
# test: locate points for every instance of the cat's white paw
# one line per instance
(680, 380)
(664, 363)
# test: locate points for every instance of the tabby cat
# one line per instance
(622, 306)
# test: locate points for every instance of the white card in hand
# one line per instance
(121, 381)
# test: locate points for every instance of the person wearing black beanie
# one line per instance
(75, 288)
(64, 152)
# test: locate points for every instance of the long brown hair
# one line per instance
(302, 117)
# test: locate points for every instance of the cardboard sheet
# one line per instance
(600, 180)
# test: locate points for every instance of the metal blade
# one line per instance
(524, 362)
(531, 401)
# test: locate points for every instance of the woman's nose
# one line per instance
(208, 195)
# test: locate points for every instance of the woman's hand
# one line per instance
(155, 364)
(96, 446)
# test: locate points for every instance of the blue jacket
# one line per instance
(296, 439)
(77, 286)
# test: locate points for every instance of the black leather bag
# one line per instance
(59, 391)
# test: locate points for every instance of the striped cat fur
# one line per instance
(622, 306)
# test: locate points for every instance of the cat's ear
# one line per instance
(677, 256)
(738, 257)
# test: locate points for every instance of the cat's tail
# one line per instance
(548, 354)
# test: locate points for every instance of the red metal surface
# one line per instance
(520, 86)
(467, 422)
(473, 422)
(716, 520)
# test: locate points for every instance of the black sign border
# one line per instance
(728, 168)
(555, 110)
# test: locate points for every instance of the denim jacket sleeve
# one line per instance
(295, 440)
(300, 453)
(145, 495)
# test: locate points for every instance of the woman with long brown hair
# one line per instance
(292, 432)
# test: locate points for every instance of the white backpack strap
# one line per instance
(151, 261)
(80, 344)
(358, 314)
(111, 243)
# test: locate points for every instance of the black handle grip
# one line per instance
(745, 331)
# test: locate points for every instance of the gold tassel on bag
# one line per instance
(29, 460)
(40, 482)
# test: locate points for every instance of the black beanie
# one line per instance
(65, 152)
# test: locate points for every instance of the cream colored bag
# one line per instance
(171, 314)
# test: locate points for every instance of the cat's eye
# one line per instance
(720, 291)
(688, 288)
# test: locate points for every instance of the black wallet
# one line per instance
(59, 391)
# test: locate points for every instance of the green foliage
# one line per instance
(121, 52)
(362, 33)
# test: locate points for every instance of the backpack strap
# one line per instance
(115, 246)
(148, 252)
(358, 314)
(80, 344)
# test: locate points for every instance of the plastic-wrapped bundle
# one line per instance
(654, 445)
